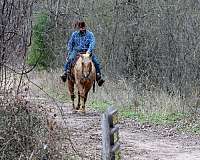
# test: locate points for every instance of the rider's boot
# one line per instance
(99, 79)
(64, 76)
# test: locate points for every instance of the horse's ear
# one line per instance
(81, 55)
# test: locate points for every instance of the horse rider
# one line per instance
(82, 41)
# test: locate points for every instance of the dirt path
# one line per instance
(148, 143)
(138, 142)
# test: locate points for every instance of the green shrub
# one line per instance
(39, 53)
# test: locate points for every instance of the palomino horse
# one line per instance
(83, 74)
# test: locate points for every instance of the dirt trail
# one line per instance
(147, 143)
(138, 142)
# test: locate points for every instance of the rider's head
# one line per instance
(81, 26)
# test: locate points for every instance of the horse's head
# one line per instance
(86, 65)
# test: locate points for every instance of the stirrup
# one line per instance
(64, 77)
(100, 82)
(98, 76)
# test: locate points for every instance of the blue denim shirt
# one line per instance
(84, 42)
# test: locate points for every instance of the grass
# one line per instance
(59, 93)
(192, 129)
(157, 118)
(99, 105)
(126, 112)
(181, 121)
(154, 106)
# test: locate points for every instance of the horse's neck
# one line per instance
(80, 64)
(78, 67)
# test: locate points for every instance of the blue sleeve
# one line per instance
(92, 42)
(71, 42)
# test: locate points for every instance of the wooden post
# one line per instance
(110, 136)
(105, 137)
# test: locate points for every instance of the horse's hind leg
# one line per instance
(85, 99)
(72, 98)
(78, 105)
(71, 92)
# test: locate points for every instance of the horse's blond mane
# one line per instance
(86, 58)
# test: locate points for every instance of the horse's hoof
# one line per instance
(74, 111)
(81, 111)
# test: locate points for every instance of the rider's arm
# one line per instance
(71, 43)
(91, 43)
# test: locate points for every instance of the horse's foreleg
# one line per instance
(78, 106)
(83, 99)
(82, 102)
(80, 96)
(72, 98)
(71, 92)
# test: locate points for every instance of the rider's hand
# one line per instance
(87, 54)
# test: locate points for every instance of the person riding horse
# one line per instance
(82, 41)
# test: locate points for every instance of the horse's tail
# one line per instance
(93, 86)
